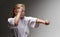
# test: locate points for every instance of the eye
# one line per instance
(18, 7)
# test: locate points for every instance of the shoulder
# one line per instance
(9, 19)
(28, 17)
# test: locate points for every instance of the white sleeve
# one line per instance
(32, 22)
(11, 21)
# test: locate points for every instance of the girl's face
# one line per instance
(19, 6)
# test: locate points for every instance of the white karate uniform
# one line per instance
(22, 28)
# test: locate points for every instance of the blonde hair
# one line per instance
(17, 5)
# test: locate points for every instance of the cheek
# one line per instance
(22, 13)
(15, 13)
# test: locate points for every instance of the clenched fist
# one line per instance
(20, 10)
(47, 22)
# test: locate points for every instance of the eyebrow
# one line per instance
(17, 7)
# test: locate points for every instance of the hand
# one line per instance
(20, 9)
(47, 22)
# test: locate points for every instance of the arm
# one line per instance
(42, 21)
(16, 20)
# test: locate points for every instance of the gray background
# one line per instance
(43, 9)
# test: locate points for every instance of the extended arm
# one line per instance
(42, 21)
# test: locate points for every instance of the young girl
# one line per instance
(20, 23)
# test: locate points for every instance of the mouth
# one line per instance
(21, 17)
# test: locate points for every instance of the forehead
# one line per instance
(20, 5)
